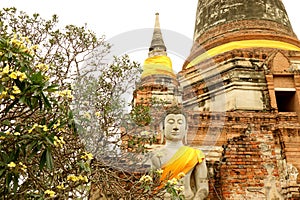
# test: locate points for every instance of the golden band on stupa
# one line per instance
(158, 65)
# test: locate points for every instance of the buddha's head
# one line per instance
(174, 125)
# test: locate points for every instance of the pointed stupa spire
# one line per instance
(157, 63)
(157, 44)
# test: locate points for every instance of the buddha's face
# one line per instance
(175, 127)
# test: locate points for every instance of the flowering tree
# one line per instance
(57, 116)
(41, 154)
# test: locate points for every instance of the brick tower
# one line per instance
(241, 87)
(158, 80)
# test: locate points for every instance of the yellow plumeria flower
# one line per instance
(3, 94)
(61, 187)
(17, 133)
(98, 114)
(6, 69)
(59, 141)
(87, 156)
(33, 127)
(62, 139)
(22, 166)
(179, 188)
(56, 125)
(21, 75)
(42, 67)
(13, 75)
(87, 115)
(34, 47)
(16, 90)
(173, 181)
(181, 175)
(159, 171)
(146, 179)
(50, 193)
(83, 178)
(44, 127)
(72, 178)
(11, 165)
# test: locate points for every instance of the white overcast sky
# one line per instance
(115, 17)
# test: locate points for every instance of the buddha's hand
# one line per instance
(167, 196)
(201, 194)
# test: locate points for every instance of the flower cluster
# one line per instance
(16, 90)
(87, 115)
(11, 165)
(59, 141)
(6, 74)
(61, 186)
(50, 193)
(22, 43)
(87, 156)
(146, 179)
(98, 114)
(21, 166)
(56, 125)
(181, 175)
(43, 127)
(173, 181)
(65, 93)
(42, 67)
(77, 178)
(179, 189)
(159, 171)
(17, 75)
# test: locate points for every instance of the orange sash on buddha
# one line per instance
(184, 160)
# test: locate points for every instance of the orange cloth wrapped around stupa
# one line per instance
(158, 65)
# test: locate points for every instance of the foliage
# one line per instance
(37, 131)
(41, 154)
(64, 114)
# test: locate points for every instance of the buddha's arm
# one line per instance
(155, 162)
(201, 180)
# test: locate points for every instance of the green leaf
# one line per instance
(46, 101)
(52, 88)
(48, 140)
(1, 88)
(37, 78)
(43, 160)
(11, 105)
(16, 185)
(6, 122)
(2, 172)
(49, 159)
(8, 179)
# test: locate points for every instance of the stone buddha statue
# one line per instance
(175, 159)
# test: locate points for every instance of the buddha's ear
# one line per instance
(161, 126)
(162, 132)
(185, 138)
